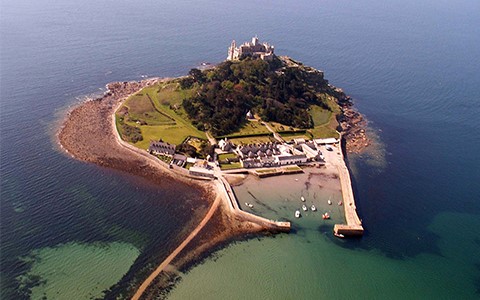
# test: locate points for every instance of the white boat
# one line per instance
(304, 207)
(302, 198)
(339, 235)
(325, 216)
(249, 204)
(297, 214)
(313, 208)
(329, 202)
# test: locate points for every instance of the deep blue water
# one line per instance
(413, 68)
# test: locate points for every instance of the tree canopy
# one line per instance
(273, 90)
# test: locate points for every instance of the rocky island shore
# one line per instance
(89, 134)
(353, 124)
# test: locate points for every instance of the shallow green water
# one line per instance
(411, 66)
(311, 264)
(78, 271)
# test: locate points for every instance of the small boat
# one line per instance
(340, 203)
(325, 216)
(297, 214)
(339, 235)
(304, 207)
(329, 202)
(296, 179)
(249, 204)
(313, 208)
(302, 198)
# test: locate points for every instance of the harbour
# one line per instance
(409, 69)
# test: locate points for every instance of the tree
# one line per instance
(197, 75)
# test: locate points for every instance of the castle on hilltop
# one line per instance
(255, 49)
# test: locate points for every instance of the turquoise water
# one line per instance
(75, 271)
(413, 68)
(312, 265)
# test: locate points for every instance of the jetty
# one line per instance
(353, 226)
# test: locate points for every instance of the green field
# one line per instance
(157, 111)
(224, 156)
(253, 140)
(324, 124)
(280, 127)
(251, 127)
(320, 116)
(289, 137)
(230, 166)
(292, 168)
(266, 171)
(141, 109)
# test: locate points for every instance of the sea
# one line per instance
(73, 230)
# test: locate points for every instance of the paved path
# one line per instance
(275, 134)
(210, 138)
(169, 259)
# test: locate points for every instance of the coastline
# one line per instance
(89, 134)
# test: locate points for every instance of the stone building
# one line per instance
(255, 49)
(159, 147)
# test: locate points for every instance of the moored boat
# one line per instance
(313, 208)
(302, 198)
(339, 235)
(304, 207)
(297, 214)
(325, 216)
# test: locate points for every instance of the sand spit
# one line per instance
(88, 134)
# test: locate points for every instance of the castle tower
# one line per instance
(255, 40)
(231, 51)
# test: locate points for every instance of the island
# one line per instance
(254, 113)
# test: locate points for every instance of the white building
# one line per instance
(282, 160)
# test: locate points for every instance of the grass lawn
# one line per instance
(230, 166)
(280, 127)
(253, 140)
(324, 121)
(321, 132)
(293, 168)
(224, 156)
(320, 116)
(251, 127)
(140, 108)
(266, 171)
(290, 137)
(162, 102)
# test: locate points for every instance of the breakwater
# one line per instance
(353, 224)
